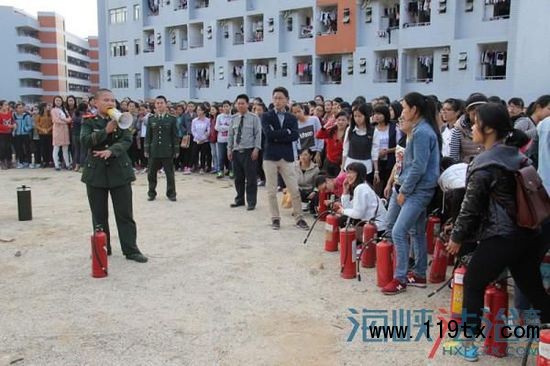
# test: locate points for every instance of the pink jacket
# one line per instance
(60, 135)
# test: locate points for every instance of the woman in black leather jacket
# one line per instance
(487, 216)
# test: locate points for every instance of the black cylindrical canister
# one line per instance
(24, 204)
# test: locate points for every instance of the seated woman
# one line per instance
(359, 201)
(306, 174)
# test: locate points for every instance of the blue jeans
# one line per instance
(223, 161)
(391, 218)
(412, 216)
(214, 152)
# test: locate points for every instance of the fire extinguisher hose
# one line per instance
(463, 260)
(321, 215)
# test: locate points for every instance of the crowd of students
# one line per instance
(382, 160)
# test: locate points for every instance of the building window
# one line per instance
(117, 16)
(119, 81)
(138, 80)
(118, 49)
(78, 62)
(78, 75)
(137, 43)
(79, 88)
(137, 10)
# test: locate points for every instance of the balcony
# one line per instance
(28, 40)
(497, 11)
(23, 56)
(385, 69)
(296, 30)
(255, 28)
(181, 77)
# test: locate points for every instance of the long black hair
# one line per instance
(397, 109)
(366, 110)
(426, 107)
(361, 171)
(42, 108)
(383, 110)
(496, 116)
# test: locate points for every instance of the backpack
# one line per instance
(533, 203)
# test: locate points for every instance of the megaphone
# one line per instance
(124, 120)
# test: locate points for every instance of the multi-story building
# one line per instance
(214, 50)
(41, 59)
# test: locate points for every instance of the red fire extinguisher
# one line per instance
(322, 206)
(331, 233)
(432, 231)
(496, 312)
(543, 359)
(438, 268)
(384, 263)
(99, 253)
(457, 294)
(348, 253)
(368, 254)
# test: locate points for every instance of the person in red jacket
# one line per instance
(333, 134)
(7, 125)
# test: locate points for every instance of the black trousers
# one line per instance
(35, 150)
(313, 203)
(204, 151)
(46, 148)
(245, 170)
(154, 166)
(142, 159)
(5, 146)
(522, 255)
(22, 145)
(78, 155)
(121, 198)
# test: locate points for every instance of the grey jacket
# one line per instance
(306, 180)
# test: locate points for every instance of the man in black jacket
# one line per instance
(281, 130)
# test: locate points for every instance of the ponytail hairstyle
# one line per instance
(426, 107)
(361, 171)
(541, 102)
(496, 116)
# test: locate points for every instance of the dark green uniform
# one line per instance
(113, 176)
(162, 145)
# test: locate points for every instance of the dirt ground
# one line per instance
(221, 287)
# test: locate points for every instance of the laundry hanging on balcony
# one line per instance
(260, 71)
(386, 63)
(154, 6)
(304, 69)
(331, 68)
(427, 62)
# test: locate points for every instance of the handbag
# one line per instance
(533, 203)
(286, 201)
(185, 142)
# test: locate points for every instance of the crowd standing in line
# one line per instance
(382, 160)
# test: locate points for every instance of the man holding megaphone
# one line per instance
(108, 170)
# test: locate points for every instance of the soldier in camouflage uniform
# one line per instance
(161, 147)
(108, 170)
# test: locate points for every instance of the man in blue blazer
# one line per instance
(281, 130)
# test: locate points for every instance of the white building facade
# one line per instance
(40, 59)
(214, 50)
